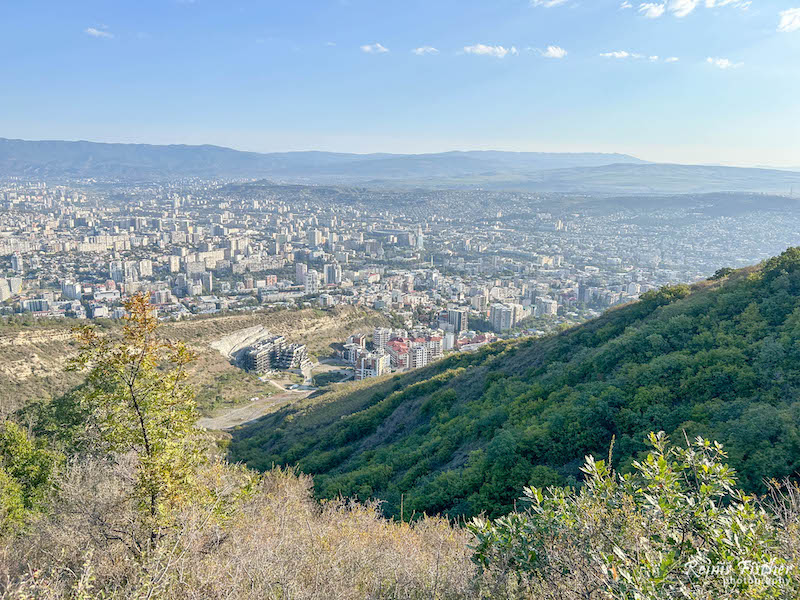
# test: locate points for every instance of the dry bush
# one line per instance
(275, 542)
(284, 545)
(279, 544)
(784, 503)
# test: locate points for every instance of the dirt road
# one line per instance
(251, 411)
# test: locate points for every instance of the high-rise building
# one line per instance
(380, 337)
(36, 305)
(195, 268)
(505, 316)
(174, 264)
(71, 290)
(449, 341)
(275, 353)
(371, 365)
(312, 282)
(146, 268)
(459, 319)
(333, 274)
(418, 356)
(5, 290)
(584, 294)
(300, 270)
(351, 352)
(116, 271)
(17, 264)
(207, 279)
(546, 307)
(420, 239)
(160, 297)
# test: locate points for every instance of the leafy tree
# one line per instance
(138, 401)
(721, 273)
(676, 527)
(26, 475)
(12, 508)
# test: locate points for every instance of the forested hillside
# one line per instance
(720, 359)
(113, 491)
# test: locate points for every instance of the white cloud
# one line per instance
(374, 48)
(625, 54)
(790, 20)
(651, 10)
(98, 33)
(422, 50)
(496, 51)
(548, 3)
(723, 63)
(743, 4)
(681, 8)
(625, 4)
(618, 54)
(554, 52)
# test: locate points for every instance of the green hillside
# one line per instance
(720, 359)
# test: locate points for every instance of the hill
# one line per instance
(82, 159)
(664, 179)
(33, 355)
(114, 492)
(591, 173)
(464, 435)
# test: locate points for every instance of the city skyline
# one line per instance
(682, 81)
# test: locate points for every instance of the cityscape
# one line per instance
(420, 300)
(505, 265)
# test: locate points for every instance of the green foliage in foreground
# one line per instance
(720, 360)
(674, 527)
(137, 400)
(141, 509)
(26, 471)
(134, 414)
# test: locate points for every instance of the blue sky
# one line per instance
(693, 81)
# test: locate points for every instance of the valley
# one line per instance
(34, 358)
(463, 436)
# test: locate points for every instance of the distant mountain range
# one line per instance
(534, 171)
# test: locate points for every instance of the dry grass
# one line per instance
(281, 544)
(33, 359)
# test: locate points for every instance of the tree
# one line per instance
(26, 475)
(12, 509)
(676, 527)
(721, 274)
(139, 402)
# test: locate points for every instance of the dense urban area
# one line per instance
(451, 270)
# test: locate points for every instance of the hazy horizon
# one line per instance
(412, 153)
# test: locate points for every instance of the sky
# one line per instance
(685, 81)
